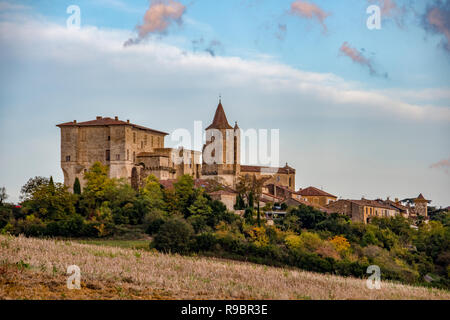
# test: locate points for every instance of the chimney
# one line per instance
(387, 199)
(116, 118)
(99, 118)
(74, 121)
(128, 120)
(396, 200)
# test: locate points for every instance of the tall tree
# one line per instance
(31, 186)
(3, 195)
(77, 186)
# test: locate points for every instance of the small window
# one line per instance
(128, 154)
(67, 158)
(142, 144)
(152, 142)
(109, 138)
(117, 156)
(134, 137)
(134, 156)
(108, 157)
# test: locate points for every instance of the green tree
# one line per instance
(200, 206)
(31, 186)
(77, 186)
(50, 201)
(174, 236)
(185, 193)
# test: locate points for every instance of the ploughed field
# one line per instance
(36, 269)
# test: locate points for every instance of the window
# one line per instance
(142, 144)
(134, 137)
(128, 154)
(67, 158)
(109, 138)
(108, 155)
(117, 156)
(134, 156)
(159, 142)
(145, 140)
(152, 142)
(278, 178)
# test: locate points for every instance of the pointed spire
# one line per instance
(236, 125)
(220, 119)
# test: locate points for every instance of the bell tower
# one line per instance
(221, 152)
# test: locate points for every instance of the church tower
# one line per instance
(421, 205)
(221, 152)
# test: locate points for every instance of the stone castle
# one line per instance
(134, 152)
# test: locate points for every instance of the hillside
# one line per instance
(35, 269)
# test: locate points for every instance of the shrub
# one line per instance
(174, 236)
(204, 242)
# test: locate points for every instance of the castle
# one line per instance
(134, 152)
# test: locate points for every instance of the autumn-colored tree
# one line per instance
(340, 243)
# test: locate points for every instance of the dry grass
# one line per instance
(35, 269)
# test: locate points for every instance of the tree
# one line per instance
(77, 186)
(50, 201)
(200, 207)
(174, 236)
(251, 188)
(185, 193)
(31, 186)
(98, 184)
(3, 195)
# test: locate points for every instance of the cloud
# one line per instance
(442, 165)
(158, 18)
(309, 10)
(356, 56)
(436, 20)
(8, 6)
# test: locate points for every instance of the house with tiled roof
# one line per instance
(362, 210)
(314, 195)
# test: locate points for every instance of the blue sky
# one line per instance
(351, 131)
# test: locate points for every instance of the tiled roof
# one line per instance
(421, 197)
(107, 122)
(220, 119)
(372, 203)
(312, 191)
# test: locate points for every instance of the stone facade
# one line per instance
(133, 152)
(362, 210)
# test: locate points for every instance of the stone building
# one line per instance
(131, 151)
(421, 206)
(221, 156)
(315, 196)
(362, 210)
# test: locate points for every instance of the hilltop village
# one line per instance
(134, 152)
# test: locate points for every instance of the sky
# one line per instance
(361, 112)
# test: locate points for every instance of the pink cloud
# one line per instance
(442, 165)
(356, 56)
(438, 19)
(160, 16)
(309, 10)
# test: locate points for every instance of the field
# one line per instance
(36, 269)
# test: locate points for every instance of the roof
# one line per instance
(285, 170)
(312, 191)
(394, 204)
(220, 119)
(106, 121)
(372, 203)
(421, 198)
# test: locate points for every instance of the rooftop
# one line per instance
(312, 191)
(106, 121)
(220, 119)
